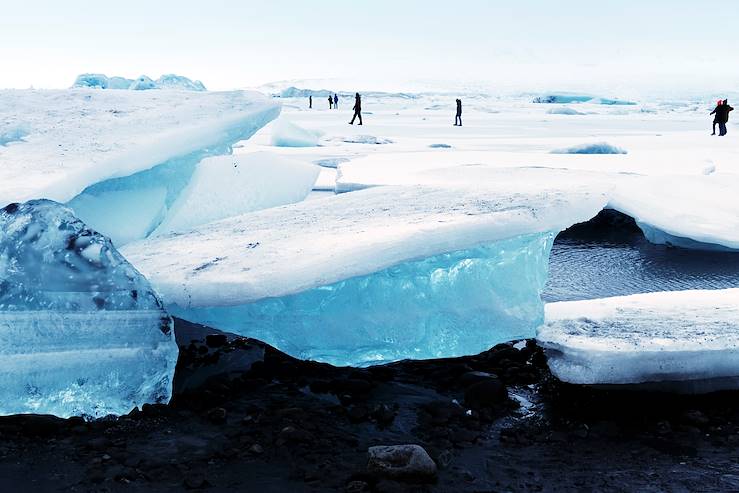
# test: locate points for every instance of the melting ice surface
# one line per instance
(451, 304)
(81, 331)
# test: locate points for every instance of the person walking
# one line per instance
(310, 102)
(458, 118)
(715, 118)
(330, 102)
(336, 101)
(357, 109)
(722, 115)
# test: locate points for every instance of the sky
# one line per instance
(526, 44)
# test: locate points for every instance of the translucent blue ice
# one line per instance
(81, 330)
(446, 305)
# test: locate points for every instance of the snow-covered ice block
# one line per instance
(226, 186)
(81, 331)
(689, 211)
(594, 148)
(90, 148)
(684, 340)
(287, 134)
(372, 276)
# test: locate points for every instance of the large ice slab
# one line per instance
(226, 186)
(81, 331)
(80, 137)
(381, 274)
(687, 340)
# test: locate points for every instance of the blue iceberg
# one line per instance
(445, 305)
(81, 331)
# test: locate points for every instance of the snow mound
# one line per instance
(287, 134)
(327, 279)
(595, 148)
(83, 332)
(564, 110)
(686, 340)
(228, 186)
(120, 158)
(440, 146)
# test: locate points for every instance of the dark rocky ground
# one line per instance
(249, 418)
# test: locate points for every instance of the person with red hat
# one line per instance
(716, 112)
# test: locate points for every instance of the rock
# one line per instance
(256, 449)
(357, 487)
(695, 418)
(217, 415)
(487, 393)
(473, 377)
(216, 340)
(401, 462)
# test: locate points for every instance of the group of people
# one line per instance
(721, 111)
(721, 117)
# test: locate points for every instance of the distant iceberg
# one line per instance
(83, 333)
(166, 81)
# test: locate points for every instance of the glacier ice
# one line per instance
(319, 279)
(173, 81)
(456, 303)
(677, 340)
(109, 154)
(287, 134)
(227, 186)
(81, 331)
(143, 83)
(166, 81)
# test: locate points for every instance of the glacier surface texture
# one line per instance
(81, 331)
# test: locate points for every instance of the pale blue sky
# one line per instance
(229, 43)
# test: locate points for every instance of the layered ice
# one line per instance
(287, 134)
(226, 186)
(376, 275)
(81, 331)
(112, 153)
(679, 340)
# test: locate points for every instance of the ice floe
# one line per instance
(680, 340)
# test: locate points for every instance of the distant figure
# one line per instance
(310, 102)
(722, 116)
(357, 109)
(336, 101)
(458, 118)
(716, 112)
(330, 102)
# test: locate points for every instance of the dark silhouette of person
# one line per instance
(310, 102)
(336, 101)
(357, 109)
(715, 112)
(722, 115)
(330, 102)
(458, 118)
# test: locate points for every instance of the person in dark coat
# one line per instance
(310, 102)
(330, 102)
(715, 112)
(458, 118)
(357, 109)
(336, 101)
(722, 115)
